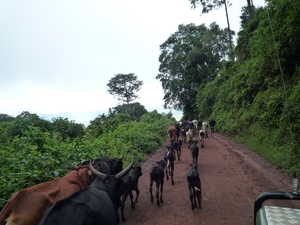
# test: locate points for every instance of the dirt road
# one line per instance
(231, 176)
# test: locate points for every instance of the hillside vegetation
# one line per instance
(34, 150)
(253, 91)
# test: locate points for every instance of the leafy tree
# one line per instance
(124, 86)
(189, 57)
(135, 110)
(208, 5)
(67, 129)
(105, 124)
(5, 132)
(6, 118)
(26, 119)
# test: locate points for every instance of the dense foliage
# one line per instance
(255, 97)
(38, 155)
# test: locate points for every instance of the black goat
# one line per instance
(177, 146)
(170, 158)
(195, 151)
(157, 175)
(212, 123)
(130, 183)
(194, 186)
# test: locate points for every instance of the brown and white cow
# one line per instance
(27, 207)
(172, 133)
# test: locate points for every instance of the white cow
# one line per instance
(195, 123)
(205, 128)
(201, 137)
(189, 137)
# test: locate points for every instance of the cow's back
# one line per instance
(83, 207)
(157, 173)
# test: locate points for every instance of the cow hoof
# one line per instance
(123, 219)
(179, 159)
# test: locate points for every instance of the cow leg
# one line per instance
(191, 197)
(123, 206)
(131, 199)
(137, 192)
(178, 154)
(150, 190)
(172, 173)
(194, 198)
(174, 154)
(157, 194)
(166, 171)
(199, 199)
(161, 191)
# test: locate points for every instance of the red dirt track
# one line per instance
(231, 175)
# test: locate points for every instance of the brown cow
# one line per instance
(27, 207)
(172, 133)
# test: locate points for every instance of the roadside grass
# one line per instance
(269, 146)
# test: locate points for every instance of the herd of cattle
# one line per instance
(93, 192)
(179, 133)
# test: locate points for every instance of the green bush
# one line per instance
(39, 156)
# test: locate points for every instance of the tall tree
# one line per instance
(189, 57)
(209, 5)
(124, 86)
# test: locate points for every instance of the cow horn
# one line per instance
(121, 174)
(93, 162)
(73, 166)
(97, 173)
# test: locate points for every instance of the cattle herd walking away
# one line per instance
(94, 191)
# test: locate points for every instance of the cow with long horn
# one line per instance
(97, 204)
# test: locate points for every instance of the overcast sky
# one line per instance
(56, 57)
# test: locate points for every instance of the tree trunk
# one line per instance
(250, 7)
(228, 25)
